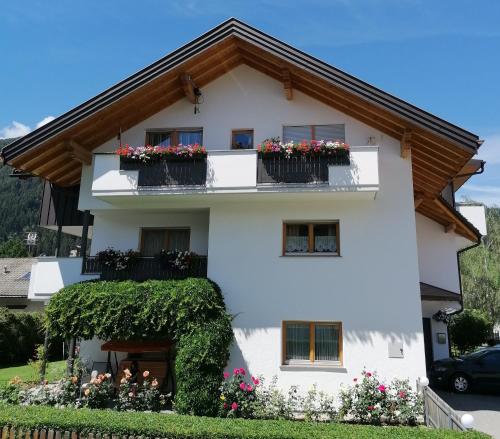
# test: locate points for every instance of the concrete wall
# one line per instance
(437, 255)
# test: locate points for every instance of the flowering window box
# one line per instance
(166, 166)
(299, 162)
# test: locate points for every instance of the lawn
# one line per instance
(55, 371)
(151, 425)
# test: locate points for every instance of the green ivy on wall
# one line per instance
(191, 312)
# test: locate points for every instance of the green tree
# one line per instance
(469, 329)
(14, 247)
(480, 269)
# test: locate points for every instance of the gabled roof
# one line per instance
(439, 149)
(15, 276)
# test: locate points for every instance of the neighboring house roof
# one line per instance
(431, 292)
(15, 276)
(56, 151)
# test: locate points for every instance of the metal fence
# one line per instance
(437, 413)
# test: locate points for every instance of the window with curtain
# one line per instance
(174, 137)
(312, 342)
(311, 238)
(298, 133)
(153, 241)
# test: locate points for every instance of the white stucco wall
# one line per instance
(368, 288)
(121, 230)
(437, 254)
(476, 214)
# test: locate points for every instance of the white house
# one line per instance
(328, 267)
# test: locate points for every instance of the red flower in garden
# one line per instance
(402, 394)
(242, 371)
(255, 381)
(236, 371)
(370, 408)
(234, 406)
(225, 406)
(355, 380)
(226, 375)
(242, 386)
(249, 388)
(368, 374)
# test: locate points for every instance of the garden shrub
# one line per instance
(143, 396)
(157, 425)
(469, 330)
(20, 334)
(191, 312)
(370, 401)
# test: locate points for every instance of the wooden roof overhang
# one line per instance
(137, 346)
(56, 151)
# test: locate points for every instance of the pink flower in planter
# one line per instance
(255, 381)
(242, 386)
(249, 388)
(234, 406)
(382, 388)
(370, 408)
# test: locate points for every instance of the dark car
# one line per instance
(479, 370)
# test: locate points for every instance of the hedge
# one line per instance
(20, 333)
(191, 312)
(169, 426)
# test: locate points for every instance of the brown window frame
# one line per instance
(312, 344)
(174, 133)
(241, 131)
(313, 128)
(310, 233)
(141, 240)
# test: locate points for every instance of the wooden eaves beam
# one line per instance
(287, 84)
(188, 86)
(406, 144)
(78, 152)
(418, 198)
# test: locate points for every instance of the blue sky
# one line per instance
(443, 56)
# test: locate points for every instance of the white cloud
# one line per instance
(18, 129)
(15, 129)
(44, 121)
(487, 194)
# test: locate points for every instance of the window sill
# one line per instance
(310, 255)
(316, 367)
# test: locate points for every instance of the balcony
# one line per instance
(234, 171)
(145, 268)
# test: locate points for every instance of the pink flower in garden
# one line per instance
(242, 371)
(402, 394)
(154, 383)
(255, 381)
(355, 380)
(382, 388)
(226, 375)
(234, 406)
(131, 394)
(370, 408)
(242, 386)
(368, 374)
(249, 388)
(236, 371)
(145, 374)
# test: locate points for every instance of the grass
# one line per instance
(190, 427)
(27, 373)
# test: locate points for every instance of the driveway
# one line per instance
(484, 408)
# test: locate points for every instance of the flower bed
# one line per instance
(313, 148)
(149, 154)
(156, 425)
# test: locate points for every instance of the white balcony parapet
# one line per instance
(475, 213)
(360, 175)
(235, 171)
(50, 274)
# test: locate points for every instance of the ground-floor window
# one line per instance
(154, 240)
(312, 342)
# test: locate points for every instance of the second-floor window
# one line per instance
(242, 139)
(174, 137)
(311, 238)
(154, 240)
(298, 133)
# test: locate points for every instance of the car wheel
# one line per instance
(460, 383)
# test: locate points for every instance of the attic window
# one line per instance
(298, 133)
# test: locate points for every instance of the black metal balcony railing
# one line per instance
(145, 268)
(169, 173)
(301, 169)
